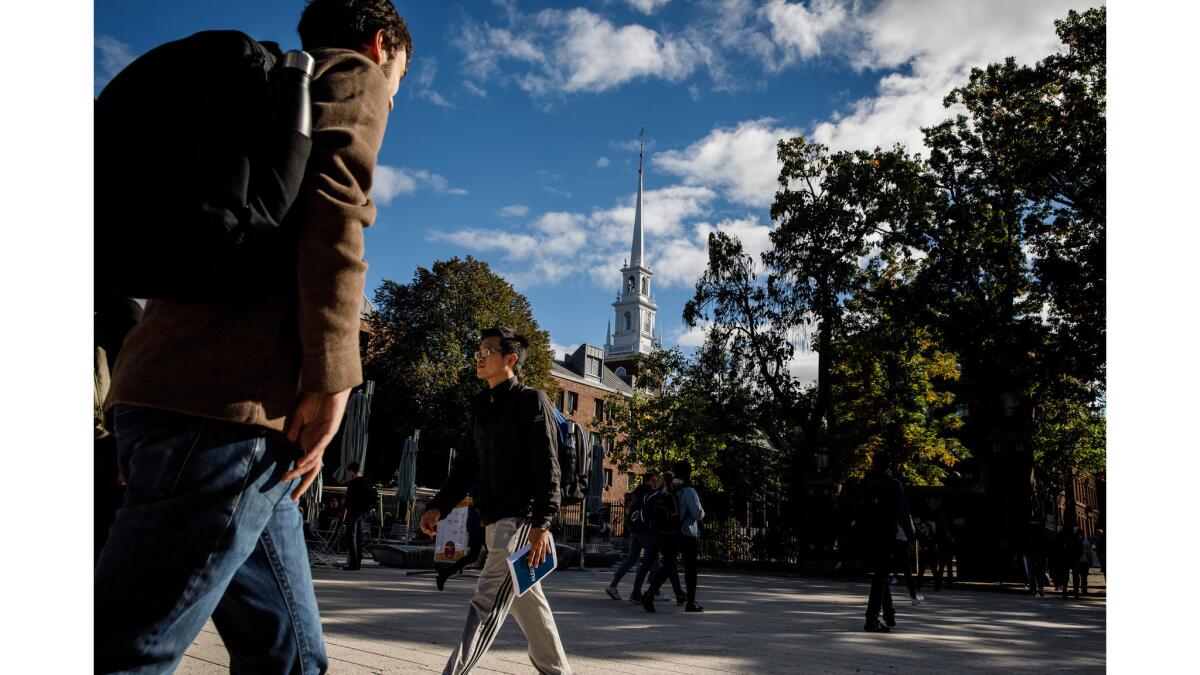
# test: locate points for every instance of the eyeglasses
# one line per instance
(484, 353)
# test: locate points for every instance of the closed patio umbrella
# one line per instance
(354, 431)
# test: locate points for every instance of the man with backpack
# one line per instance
(884, 508)
(511, 458)
(223, 406)
(641, 539)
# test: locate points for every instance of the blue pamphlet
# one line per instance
(525, 578)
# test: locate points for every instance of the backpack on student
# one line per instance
(200, 150)
(636, 520)
(663, 511)
(572, 475)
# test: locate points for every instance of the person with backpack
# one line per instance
(663, 508)
(361, 496)
(641, 539)
(223, 403)
(884, 508)
(510, 456)
(690, 515)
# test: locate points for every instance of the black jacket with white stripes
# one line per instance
(510, 456)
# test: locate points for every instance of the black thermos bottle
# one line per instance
(293, 104)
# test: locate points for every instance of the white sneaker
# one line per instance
(919, 599)
(612, 592)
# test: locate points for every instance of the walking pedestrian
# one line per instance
(884, 509)
(1081, 564)
(926, 550)
(690, 515)
(360, 496)
(902, 560)
(1035, 557)
(663, 508)
(510, 456)
(223, 408)
(641, 539)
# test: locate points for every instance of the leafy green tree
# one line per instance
(420, 355)
(1069, 436)
(1038, 134)
(748, 330)
(665, 421)
(891, 391)
(832, 211)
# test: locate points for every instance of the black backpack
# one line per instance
(200, 150)
(662, 511)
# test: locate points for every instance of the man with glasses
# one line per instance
(510, 457)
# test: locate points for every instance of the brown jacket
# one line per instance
(246, 360)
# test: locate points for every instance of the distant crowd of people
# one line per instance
(1066, 557)
(663, 521)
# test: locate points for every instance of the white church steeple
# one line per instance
(635, 307)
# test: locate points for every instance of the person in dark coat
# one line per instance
(885, 508)
(360, 497)
(1035, 557)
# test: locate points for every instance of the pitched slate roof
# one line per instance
(608, 379)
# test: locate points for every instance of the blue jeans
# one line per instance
(207, 529)
(651, 547)
(637, 542)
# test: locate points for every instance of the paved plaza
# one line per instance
(382, 620)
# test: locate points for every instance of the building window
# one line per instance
(645, 286)
(572, 402)
(621, 372)
(599, 414)
(629, 479)
(560, 402)
(629, 286)
(628, 321)
(608, 474)
(593, 366)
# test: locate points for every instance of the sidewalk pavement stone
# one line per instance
(381, 620)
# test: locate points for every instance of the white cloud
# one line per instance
(114, 56)
(475, 89)
(740, 162)
(558, 52)
(559, 244)
(798, 29)
(602, 162)
(896, 35)
(647, 6)
(422, 86)
(561, 352)
(391, 182)
(680, 260)
(690, 337)
(515, 210)
(803, 366)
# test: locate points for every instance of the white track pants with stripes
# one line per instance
(495, 598)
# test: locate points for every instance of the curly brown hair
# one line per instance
(350, 24)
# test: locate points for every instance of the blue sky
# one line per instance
(514, 134)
